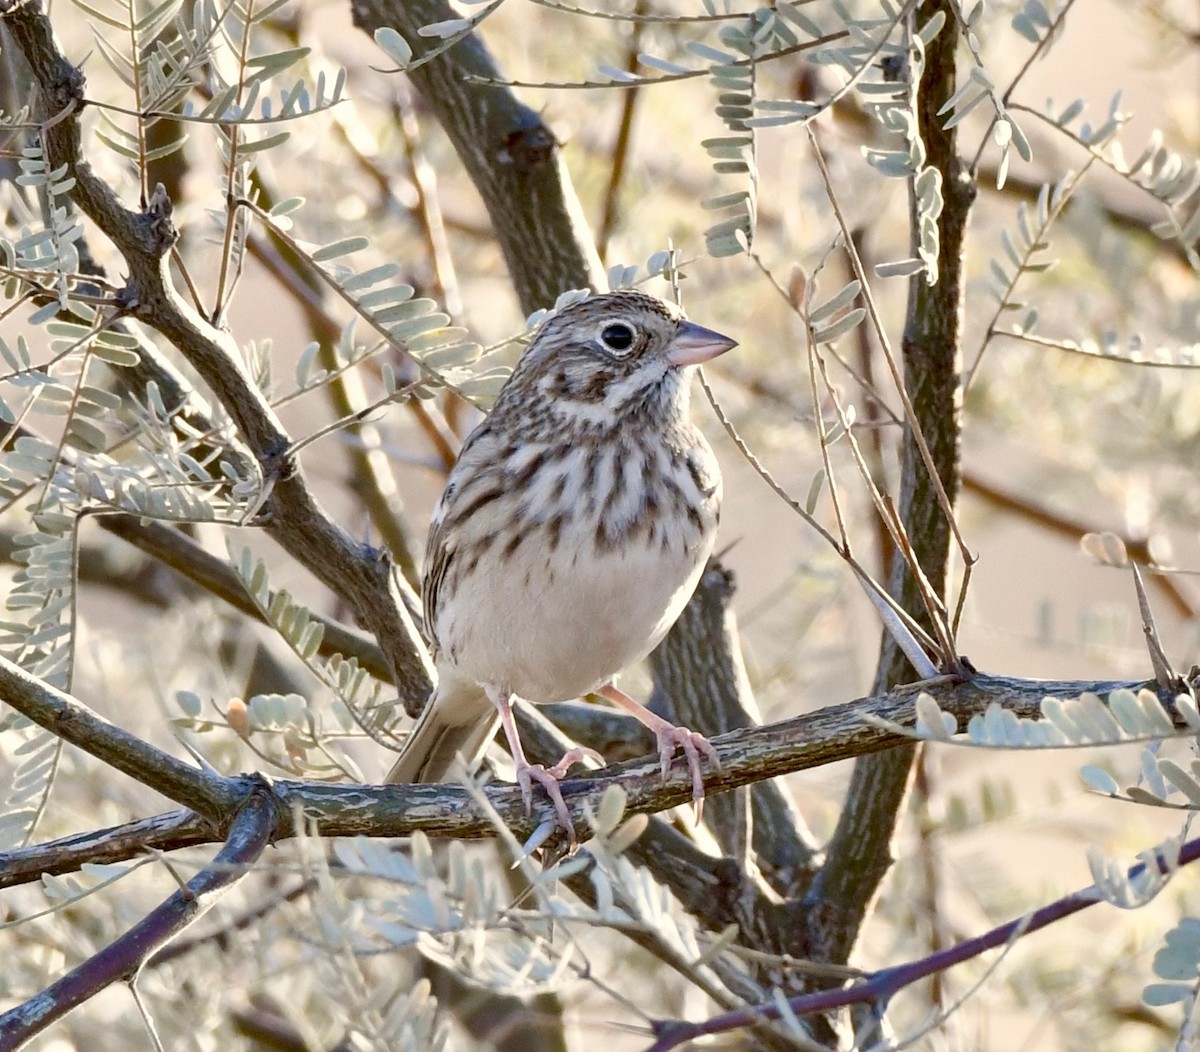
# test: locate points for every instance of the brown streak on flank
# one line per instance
(482, 544)
(591, 468)
(513, 544)
(523, 477)
(620, 483)
(554, 527)
(672, 492)
(643, 526)
(650, 502)
(477, 503)
(651, 466)
(605, 539)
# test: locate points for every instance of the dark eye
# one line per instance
(618, 336)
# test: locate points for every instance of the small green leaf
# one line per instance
(394, 45)
(286, 207)
(340, 248)
(842, 298)
(843, 325)
(189, 702)
(83, 434)
(1099, 779)
(116, 356)
(1159, 995)
(268, 143)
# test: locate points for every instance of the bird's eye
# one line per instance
(618, 336)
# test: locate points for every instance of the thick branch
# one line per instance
(860, 852)
(165, 832)
(837, 732)
(510, 154)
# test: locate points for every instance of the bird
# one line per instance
(573, 529)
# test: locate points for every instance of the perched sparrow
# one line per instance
(572, 531)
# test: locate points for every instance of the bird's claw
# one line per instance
(573, 756)
(693, 744)
(548, 778)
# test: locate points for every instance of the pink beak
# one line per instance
(694, 344)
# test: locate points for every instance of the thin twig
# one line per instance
(610, 209)
(890, 357)
(249, 834)
(881, 986)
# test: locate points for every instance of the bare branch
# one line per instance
(880, 987)
(203, 791)
(748, 756)
(249, 835)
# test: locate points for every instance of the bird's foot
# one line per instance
(548, 778)
(670, 737)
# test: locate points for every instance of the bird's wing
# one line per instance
(470, 485)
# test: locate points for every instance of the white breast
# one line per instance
(554, 624)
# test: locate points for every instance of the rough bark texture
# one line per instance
(707, 689)
(834, 732)
(510, 154)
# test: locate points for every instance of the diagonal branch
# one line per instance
(510, 154)
(203, 791)
(880, 987)
(293, 516)
(250, 833)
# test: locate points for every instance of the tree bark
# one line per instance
(861, 850)
(508, 151)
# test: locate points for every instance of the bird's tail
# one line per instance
(459, 719)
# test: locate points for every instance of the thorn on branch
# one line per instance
(279, 463)
(161, 229)
(528, 149)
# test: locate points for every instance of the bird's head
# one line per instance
(614, 354)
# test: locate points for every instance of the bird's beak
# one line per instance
(694, 344)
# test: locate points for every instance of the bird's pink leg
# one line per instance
(528, 773)
(668, 737)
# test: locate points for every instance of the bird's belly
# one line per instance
(550, 626)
